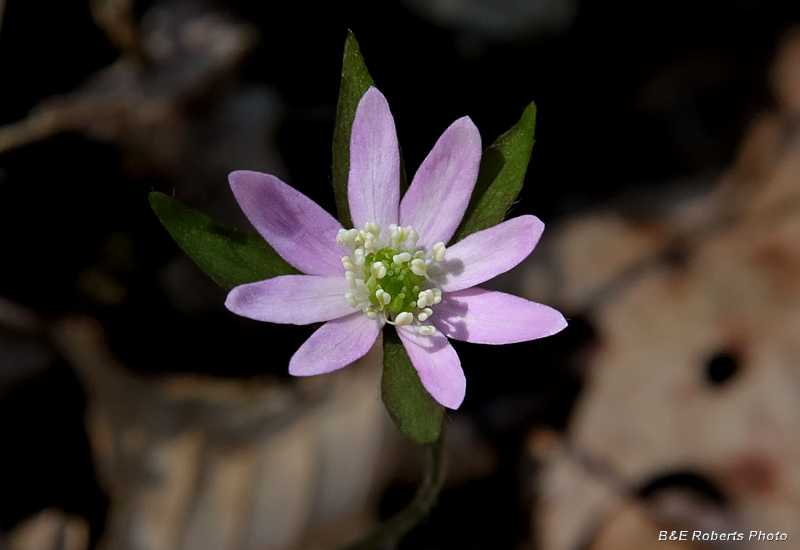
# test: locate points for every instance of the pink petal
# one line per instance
(487, 253)
(486, 317)
(335, 345)
(301, 231)
(437, 364)
(438, 196)
(291, 299)
(374, 185)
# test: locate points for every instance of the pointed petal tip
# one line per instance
(551, 321)
(560, 323)
(467, 128)
(371, 91)
(238, 177)
(465, 121)
(534, 228)
(373, 98)
(452, 400)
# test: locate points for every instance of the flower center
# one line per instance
(388, 275)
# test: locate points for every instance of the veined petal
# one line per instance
(300, 230)
(438, 196)
(487, 253)
(373, 188)
(291, 299)
(335, 345)
(437, 364)
(487, 317)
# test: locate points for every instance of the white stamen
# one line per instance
(383, 297)
(437, 295)
(401, 258)
(378, 270)
(418, 267)
(424, 314)
(439, 251)
(403, 319)
(359, 256)
(426, 330)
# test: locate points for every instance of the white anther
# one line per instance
(378, 270)
(413, 236)
(359, 256)
(426, 330)
(370, 314)
(424, 314)
(347, 236)
(383, 297)
(347, 262)
(418, 267)
(425, 298)
(437, 295)
(403, 319)
(373, 228)
(351, 299)
(401, 258)
(439, 251)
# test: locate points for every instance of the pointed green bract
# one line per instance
(412, 408)
(502, 172)
(228, 256)
(355, 83)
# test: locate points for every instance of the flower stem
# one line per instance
(389, 534)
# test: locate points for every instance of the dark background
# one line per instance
(633, 98)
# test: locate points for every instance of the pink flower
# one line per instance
(393, 267)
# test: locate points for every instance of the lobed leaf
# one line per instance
(228, 256)
(412, 408)
(355, 83)
(500, 178)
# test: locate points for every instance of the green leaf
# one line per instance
(229, 257)
(355, 83)
(502, 172)
(412, 408)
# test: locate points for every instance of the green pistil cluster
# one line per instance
(402, 284)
